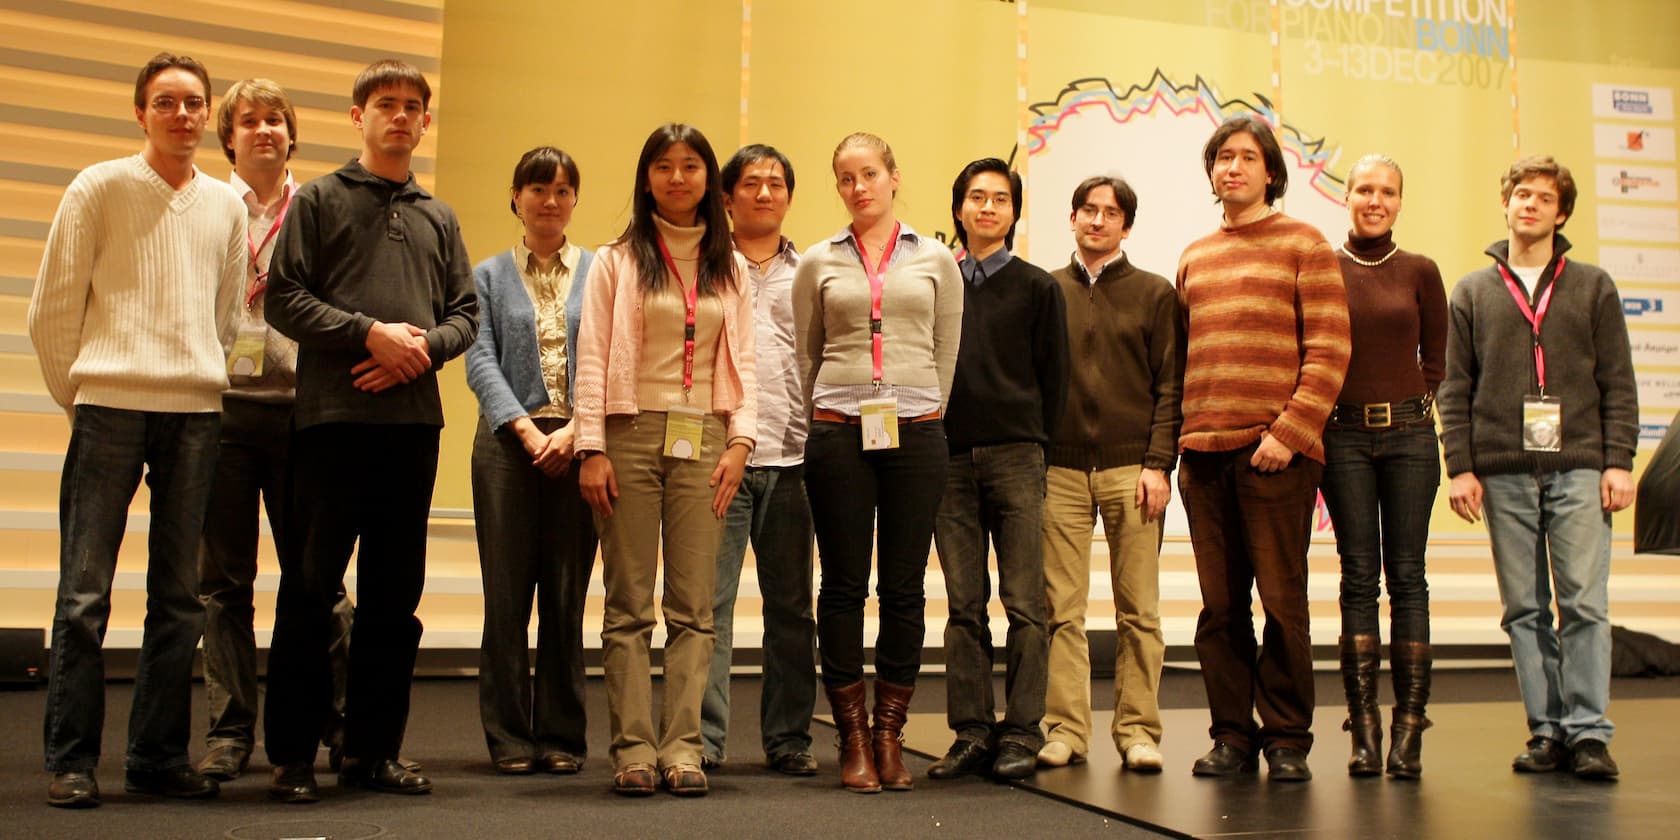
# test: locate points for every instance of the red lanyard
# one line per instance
(691, 299)
(1535, 316)
(877, 280)
(261, 283)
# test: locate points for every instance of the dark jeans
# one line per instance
(1250, 529)
(536, 538)
(109, 448)
(771, 511)
(250, 469)
(1380, 486)
(994, 494)
(350, 481)
(880, 502)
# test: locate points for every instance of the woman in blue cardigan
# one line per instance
(535, 534)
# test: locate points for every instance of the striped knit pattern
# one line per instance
(137, 299)
(1267, 336)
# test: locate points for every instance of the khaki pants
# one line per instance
(658, 496)
(1072, 500)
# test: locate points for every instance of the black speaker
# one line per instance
(22, 657)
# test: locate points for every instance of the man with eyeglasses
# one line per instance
(135, 305)
(1112, 455)
(1006, 398)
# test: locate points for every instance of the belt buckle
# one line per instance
(1374, 410)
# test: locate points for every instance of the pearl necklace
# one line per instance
(1368, 263)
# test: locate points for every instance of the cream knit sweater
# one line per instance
(137, 301)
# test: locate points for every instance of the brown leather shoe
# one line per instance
(685, 780)
(559, 763)
(224, 762)
(518, 765)
(857, 762)
(74, 789)
(636, 779)
(892, 706)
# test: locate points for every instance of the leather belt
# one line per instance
(1384, 415)
(836, 417)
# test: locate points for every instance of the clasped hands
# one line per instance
(397, 355)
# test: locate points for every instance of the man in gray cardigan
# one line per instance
(1539, 417)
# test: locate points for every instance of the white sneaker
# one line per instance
(1143, 757)
(1057, 754)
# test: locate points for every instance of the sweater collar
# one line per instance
(1110, 270)
(684, 242)
(1373, 248)
(1501, 251)
(355, 172)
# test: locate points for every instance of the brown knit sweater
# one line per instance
(1267, 332)
(1397, 315)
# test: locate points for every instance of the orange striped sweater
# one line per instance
(1267, 332)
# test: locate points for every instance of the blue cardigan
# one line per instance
(504, 368)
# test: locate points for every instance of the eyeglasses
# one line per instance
(169, 104)
(1108, 214)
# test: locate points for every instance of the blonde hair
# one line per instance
(261, 92)
(866, 140)
(1377, 159)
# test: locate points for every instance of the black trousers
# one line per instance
(350, 482)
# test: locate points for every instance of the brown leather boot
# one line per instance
(857, 762)
(1412, 663)
(1360, 657)
(892, 704)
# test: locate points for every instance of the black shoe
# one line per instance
(383, 776)
(796, 763)
(1287, 764)
(1015, 761)
(1542, 755)
(75, 789)
(963, 758)
(178, 782)
(1224, 760)
(1590, 759)
(559, 763)
(294, 784)
(225, 762)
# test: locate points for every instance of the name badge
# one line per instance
(246, 359)
(1542, 426)
(684, 427)
(880, 423)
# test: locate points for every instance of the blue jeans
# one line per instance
(770, 509)
(109, 448)
(995, 494)
(1380, 486)
(1551, 531)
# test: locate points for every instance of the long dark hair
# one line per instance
(641, 236)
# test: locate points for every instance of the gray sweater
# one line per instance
(1490, 367)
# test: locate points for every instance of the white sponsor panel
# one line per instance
(1652, 427)
(1659, 391)
(1633, 102)
(1646, 308)
(1635, 183)
(1654, 348)
(1633, 142)
(1638, 224)
(1625, 264)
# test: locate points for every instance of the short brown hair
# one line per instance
(387, 72)
(165, 61)
(1537, 165)
(1124, 195)
(261, 92)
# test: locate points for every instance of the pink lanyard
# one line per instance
(691, 299)
(1535, 316)
(877, 280)
(261, 282)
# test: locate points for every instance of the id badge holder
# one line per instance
(1542, 426)
(246, 358)
(880, 423)
(684, 427)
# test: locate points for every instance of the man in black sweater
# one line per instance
(1112, 454)
(1539, 421)
(1011, 380)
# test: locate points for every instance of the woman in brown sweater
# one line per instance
(1383, 466)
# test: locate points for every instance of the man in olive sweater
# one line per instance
(1006, 398)
(1539, 421)
(1112, 453)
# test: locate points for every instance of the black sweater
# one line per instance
(1012, 366)
(1490, 367)
(356, 248)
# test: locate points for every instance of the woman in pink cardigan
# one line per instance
(666, 397)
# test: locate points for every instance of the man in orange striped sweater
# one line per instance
(1267, 333)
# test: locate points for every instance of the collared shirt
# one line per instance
(1091, 277)
(912, 401)
(782, 422)
(976, 271)
(279, 377)
(547, 290)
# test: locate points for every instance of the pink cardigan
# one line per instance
(609, 350)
